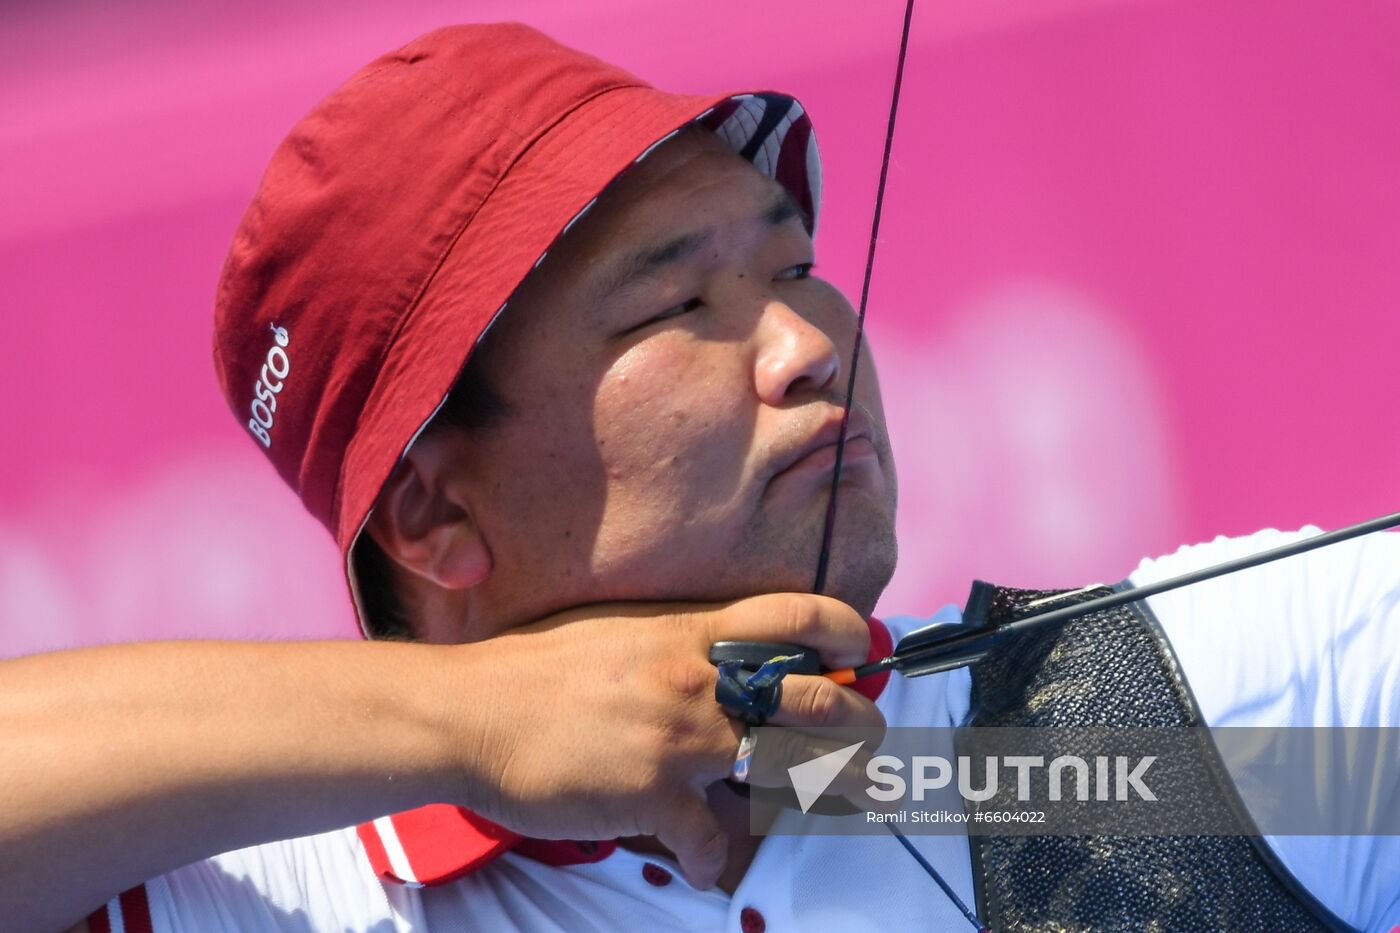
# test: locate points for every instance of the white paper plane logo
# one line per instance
(811, 778)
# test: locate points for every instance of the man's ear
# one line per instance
(422, 520)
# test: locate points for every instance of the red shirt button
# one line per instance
(751, 921)
(655, 874)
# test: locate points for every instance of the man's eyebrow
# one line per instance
(650, 260)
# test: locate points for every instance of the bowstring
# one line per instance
(830, 525)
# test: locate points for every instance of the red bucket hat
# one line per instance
(394, 222)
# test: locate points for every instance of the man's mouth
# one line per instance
(858, 450)
(818, 454)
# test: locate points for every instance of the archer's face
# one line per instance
(676, 376)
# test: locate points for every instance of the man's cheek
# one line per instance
(665, 461)
(669, 404)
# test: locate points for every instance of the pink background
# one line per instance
(1137, 284)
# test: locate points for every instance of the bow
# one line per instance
(945, 646)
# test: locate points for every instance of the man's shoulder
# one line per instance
(1256, 644)
(1299, 641)
(1368, 561)
(1221, 548)
(1304, 641)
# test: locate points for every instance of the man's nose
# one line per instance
(794, 355)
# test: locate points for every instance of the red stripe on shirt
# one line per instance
(98, 921)
(374, 851)
(136, 910)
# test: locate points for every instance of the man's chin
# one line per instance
(861, 566)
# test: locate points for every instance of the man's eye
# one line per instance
(677, 310)
(673, 311)
(802, 270)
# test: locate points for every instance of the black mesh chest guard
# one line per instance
(1116, 669)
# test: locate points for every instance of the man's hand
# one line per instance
(605, 723)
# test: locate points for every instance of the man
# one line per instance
(633, 464)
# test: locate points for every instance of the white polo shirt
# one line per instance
(1311, 640)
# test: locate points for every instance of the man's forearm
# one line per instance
(120, 763)
(123, 762)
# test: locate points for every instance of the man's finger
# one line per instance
(814, 702)
(830, 627)
(693, 834)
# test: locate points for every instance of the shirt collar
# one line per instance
(441, 843)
